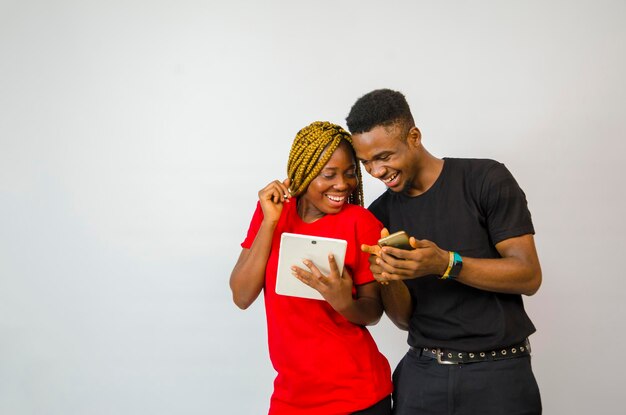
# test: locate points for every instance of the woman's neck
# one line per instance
(307, 212)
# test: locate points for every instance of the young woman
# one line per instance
(326, 360)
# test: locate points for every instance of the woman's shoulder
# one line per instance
(351, 209)
(358, 213)
(362, 223)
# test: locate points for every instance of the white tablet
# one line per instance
(293, 249)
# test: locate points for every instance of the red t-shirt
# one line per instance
(326, 364)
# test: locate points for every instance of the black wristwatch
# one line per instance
(456, 266)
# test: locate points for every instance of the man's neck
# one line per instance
(427, 174)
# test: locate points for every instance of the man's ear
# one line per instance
(414, 138)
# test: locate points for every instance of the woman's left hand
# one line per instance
(336, 288)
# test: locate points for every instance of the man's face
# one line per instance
(387, 155)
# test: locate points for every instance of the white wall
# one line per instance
(135, 134)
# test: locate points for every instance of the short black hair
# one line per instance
(381, 107)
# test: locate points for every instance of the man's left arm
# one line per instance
(516, 272)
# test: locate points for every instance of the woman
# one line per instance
(327, 361)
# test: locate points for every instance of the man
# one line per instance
(459, 291)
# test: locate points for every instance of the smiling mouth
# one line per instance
(337, 199)
(390, 179)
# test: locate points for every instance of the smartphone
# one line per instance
(397, 240)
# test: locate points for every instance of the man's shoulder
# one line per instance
(473, 164)
(475, 170)
(380, 201)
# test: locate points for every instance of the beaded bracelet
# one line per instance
(446, 274)
(454, 266)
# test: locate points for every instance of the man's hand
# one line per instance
(375, 252)
(426, 258)
(389, 263)
(396, 298)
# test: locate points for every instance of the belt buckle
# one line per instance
(438, 354)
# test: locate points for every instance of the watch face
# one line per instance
(456, 267)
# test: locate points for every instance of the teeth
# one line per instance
(391, 178)
(335, 198)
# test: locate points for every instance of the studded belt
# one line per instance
(452, 357)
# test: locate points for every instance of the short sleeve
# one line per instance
(253, 229)
(380, 209)
(367, 232)
(504, 204)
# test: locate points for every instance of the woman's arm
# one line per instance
(336, 289)
(367, 308)
(248, 275)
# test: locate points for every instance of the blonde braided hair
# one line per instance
(311, 150)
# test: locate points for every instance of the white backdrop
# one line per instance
(135, 135)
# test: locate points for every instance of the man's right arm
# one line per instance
(395, 294)
(397, 303)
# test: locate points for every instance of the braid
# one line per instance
(311, 150)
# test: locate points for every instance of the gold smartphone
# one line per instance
(397, 240)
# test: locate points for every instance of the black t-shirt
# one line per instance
(473, 205)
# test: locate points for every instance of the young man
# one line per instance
(459, 291)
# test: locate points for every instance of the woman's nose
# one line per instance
(341, 183)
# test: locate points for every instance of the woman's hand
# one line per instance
(272, 198)
(336, 288)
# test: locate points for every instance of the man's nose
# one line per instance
(376, 170)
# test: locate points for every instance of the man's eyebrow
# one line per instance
(377, 155)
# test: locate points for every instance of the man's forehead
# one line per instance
(376, 136)
(368, 147)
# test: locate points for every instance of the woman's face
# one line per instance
(329, 191)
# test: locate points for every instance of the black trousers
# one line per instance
(424, 387)
(381, 408)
